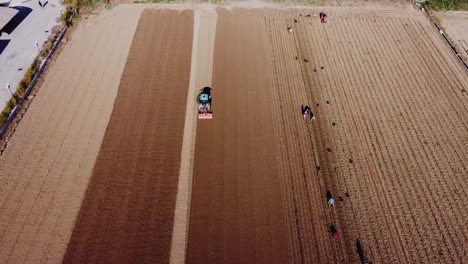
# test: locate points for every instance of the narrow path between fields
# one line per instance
(200, 76)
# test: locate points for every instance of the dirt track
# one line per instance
(455, 24)
(200, 76)
(385, 90)
(127, 214)
(47, 165)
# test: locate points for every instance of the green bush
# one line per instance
(3, 118)
(21, 88)
(7, 110)
(28, 77)
(463, 6)
(447, 4)
(11, 103)
(72, 3)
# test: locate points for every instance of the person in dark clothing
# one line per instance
(312, 116)
(323, 17)
(334, 232)
(331, 201)
(305, 111)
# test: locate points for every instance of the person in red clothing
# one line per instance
(334, 232)
(305, 111)
(323, 17)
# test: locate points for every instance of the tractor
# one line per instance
(204, 103)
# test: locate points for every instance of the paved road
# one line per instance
(17, 47)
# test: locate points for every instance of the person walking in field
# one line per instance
(323, 18)
(305, 111)
(331, 201)
(334, 232)
(312, 116)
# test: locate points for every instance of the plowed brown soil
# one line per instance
(46, 167)
(236, 214)
(127, 214)
(388, 142)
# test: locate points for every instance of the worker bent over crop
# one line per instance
(331, 201)
(305, 111)
(323, 17)
(334, 232)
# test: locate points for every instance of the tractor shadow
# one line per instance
(23, 12)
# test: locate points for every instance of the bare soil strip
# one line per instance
(236, 214)
(200, 76)
(47, 165)
(128, 212)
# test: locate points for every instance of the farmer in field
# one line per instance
(312, 116)
(331, 201)
(305, 111)
(334, 232)
(323, 17)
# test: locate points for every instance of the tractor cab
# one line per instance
(204, 98)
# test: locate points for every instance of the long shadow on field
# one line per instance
(3, 44)
(17, 19)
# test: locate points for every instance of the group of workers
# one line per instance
(309, 115)
(323, 19)
(331, 203)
